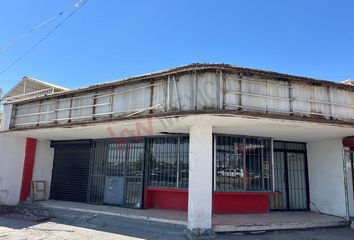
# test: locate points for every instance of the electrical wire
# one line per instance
(9, 44)
(38, 26)
(77, 6)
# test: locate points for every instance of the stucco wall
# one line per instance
(43, 164)
(12, 152)
(326, 179)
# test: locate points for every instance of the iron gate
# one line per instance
(116, 172)
(290, 177)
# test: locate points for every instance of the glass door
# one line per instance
(297, 197)
(290, 177)
(279, 197)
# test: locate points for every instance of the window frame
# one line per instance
(177, 184)
(270, 162)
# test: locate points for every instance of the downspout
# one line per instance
(346, 154)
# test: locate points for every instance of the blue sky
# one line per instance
(109, 40)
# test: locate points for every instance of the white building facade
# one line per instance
(203, 138)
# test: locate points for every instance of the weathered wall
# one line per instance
(12, 152)
(326, 178)
(43, 165)
(190, 91)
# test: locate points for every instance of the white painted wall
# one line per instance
(43, 165)
(326, 178)
(12, 153)
(6, 117)
(200, 177)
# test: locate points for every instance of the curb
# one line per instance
(132, 216)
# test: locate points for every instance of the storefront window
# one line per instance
(167, 159)
(242, 163)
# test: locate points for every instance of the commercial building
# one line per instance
(203, 138)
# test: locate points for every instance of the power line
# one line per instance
(36, 27)
(14, 41)
(77, 6)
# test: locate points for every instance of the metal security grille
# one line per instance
(116, 172)
(70, 170)
(242, 163)
(290, 176)
(167, 162)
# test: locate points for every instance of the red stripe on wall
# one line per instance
(348, 142)
(27, 172)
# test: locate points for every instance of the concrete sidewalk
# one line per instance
(275, 221)
(157, 215)
(221, 223)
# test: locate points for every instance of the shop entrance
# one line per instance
(70, 170)
(290, 177)
(116, 172)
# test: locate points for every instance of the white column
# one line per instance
(200, 177)
(326, 178)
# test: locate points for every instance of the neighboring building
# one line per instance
(202, 138)
(29, 88)
(349, 82)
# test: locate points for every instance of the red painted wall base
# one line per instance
(240, 202)
(172, 199)
(223, 202)
(27, 172)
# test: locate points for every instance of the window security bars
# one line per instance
(242, 164)
(167, 162)
(116, 172)
(117, 168)
(291, 190)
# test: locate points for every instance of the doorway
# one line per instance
(290, 177)
(70, 170)
(116, 172)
